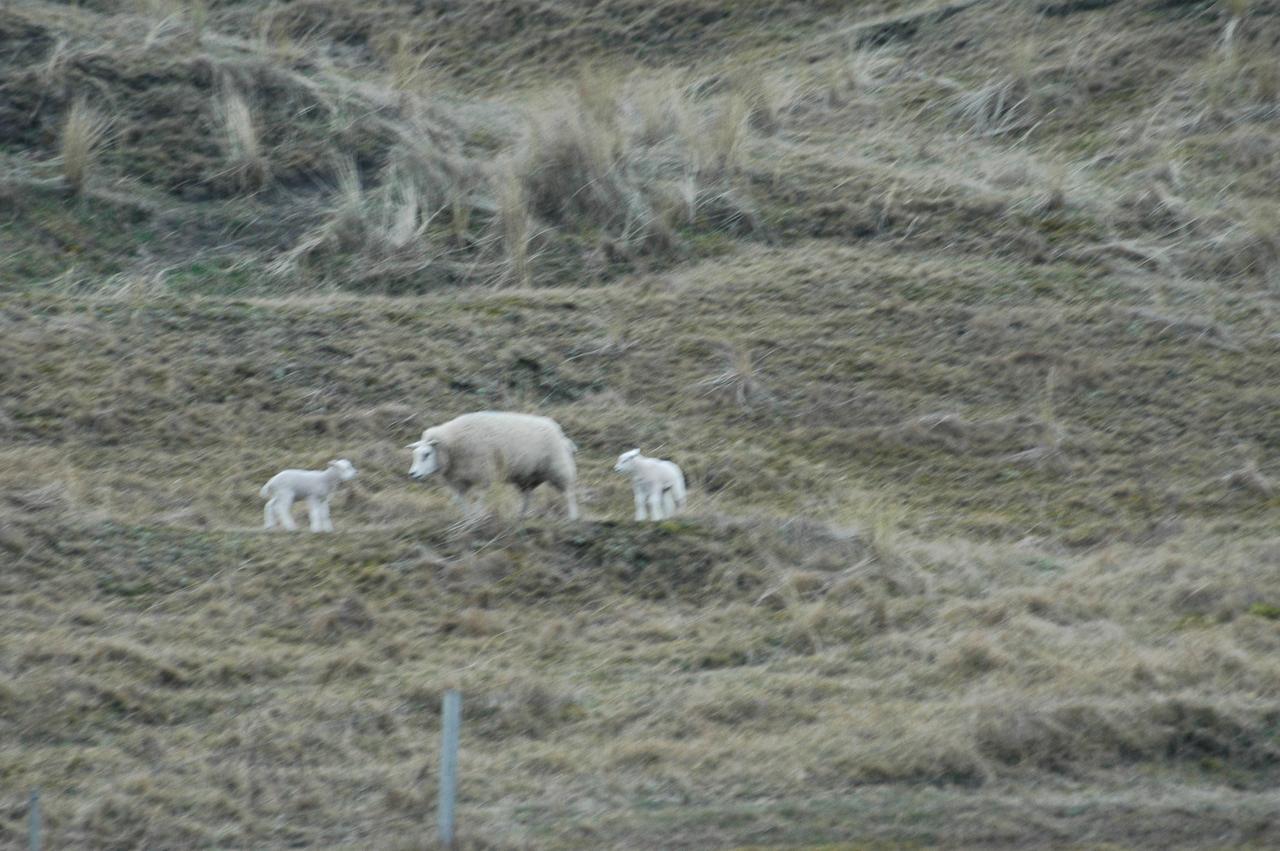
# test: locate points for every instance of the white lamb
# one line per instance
(497, 446)
(315, 485)
(656, 484)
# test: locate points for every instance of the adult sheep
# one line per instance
(497, 446)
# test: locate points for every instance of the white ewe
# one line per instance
(656, 484)
(315, 485)
(496, 446)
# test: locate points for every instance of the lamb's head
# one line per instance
(346, 470)
(428, 457)
(626, 461)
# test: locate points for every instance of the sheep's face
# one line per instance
(626, 461)
(346, 470)
(426, 459)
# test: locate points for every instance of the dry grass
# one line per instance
(970, 670)
(571, 161)
(861, 72)
(513, 222)
(740, 380)
(410, 69)
(83, 132)
(723, 139)
(995, 108)
(964, 338)
(387, 228)
(658, 107)
(634, 159)
(241, 141)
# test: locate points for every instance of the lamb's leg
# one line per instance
(638, 493)
(315, 513)
(668, 503)
(525, 498)
(655, 504)
(284, 510)
(326, 522)
(269, 514)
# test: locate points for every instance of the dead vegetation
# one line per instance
(907, 663)
(82, 134)
(243, 147)
(959, 318)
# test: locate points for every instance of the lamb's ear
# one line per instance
(413, 445)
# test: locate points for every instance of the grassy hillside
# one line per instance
(960, 317)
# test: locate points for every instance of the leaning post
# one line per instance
(33, 821)
(452, 718)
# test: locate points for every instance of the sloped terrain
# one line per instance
(960, 317)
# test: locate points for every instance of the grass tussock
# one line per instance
(611, 153)
(514, 223)
(636, 164)
(243, 145)
(83, 132)
(857, 74)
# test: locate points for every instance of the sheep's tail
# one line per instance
(573, 447)
(266, 491)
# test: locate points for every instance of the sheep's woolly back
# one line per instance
(487, 446)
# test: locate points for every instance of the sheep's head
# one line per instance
(346, 470)
(427, 458)
(626, 461)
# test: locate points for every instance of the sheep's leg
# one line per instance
(655, 504)
(525, 497)
(284, 510)
(460, 500)
(571, 503)
(269, 514)
(639, 495)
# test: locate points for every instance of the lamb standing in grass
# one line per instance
(496, 446)
(657, 485)
(315, 485)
